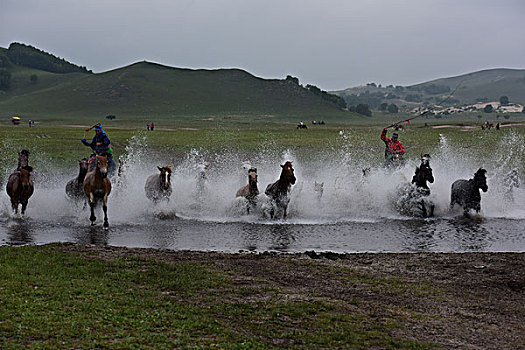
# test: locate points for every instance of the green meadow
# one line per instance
(59, 146)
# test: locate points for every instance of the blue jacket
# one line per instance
(103, 147)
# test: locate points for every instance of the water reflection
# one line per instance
(418, 235)
(92, 235)
(19, 232)
(471, 233)
(282, 237)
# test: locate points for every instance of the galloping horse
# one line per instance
(250, 191)
(98, 187)
(466, 192)
(74, 188)
(420, 178)
(158, 186)
(412, 199)
(279, 190)
(20, 187)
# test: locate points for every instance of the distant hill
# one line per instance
(481, 86)
(149, 89)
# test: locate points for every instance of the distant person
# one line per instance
(152, 126)
(394, 149)
(497, 126)
(147, 126)
(30, 123)
(100, 144)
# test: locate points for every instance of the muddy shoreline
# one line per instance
(453, 300)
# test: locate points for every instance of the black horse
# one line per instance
(412, 199)
(466, 194)
(74, 188)
(421, 177)
(279, 190)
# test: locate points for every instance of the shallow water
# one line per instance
(353, 214)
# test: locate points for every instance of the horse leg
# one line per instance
(92, 218)
(105, 208)
(14, 205)
(24, 206)
(284, 212)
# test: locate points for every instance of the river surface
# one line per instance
(353, 213)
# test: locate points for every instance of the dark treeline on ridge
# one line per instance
(29, 56)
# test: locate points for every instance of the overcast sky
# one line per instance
(330, 44)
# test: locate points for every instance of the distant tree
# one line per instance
(292, 79)
(480, 116)
(506, 116)
(33, 78)
(363, 109)
(371, 84)
(488, 109)
(504, 100)
(413, 98)
(383, 106)
(400, 88)
(392, 108)
(5, 79)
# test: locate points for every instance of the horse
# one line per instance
(20, 187)
(74, 188)
(97, 187)
(279, 190)
(158, 186)
(412, 199)
(250, 191)
(466, 194)
(423, 175)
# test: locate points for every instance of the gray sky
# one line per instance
(331, 44)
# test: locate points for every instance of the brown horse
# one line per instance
(98, 187)
(250, 191)
(74, 188)
(158, 186)
(279, 190)
(20, 187)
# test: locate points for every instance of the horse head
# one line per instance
(165, 176)
(252, 176)
(102, 165)
(25, 177)
(83, 165)
(480, 179)
(23, 158)
(287, 174)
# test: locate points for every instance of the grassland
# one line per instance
(59, 144)
(75, 296)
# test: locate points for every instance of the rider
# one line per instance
(100, 144)
(393, 147)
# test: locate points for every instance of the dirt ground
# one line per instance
(465, 300)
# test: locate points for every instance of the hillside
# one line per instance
(151, 90)
(481, 86)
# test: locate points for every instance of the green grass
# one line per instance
(55, 147)
(55, 299)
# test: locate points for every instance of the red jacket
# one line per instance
(392, 147)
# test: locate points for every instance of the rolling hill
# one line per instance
(148, 89)
(481, 86)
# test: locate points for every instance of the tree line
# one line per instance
(29, 56)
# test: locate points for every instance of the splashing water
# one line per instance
(204, 186)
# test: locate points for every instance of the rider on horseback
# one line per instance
(394, 149)
(100, 144)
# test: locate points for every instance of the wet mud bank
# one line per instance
(450, 300)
